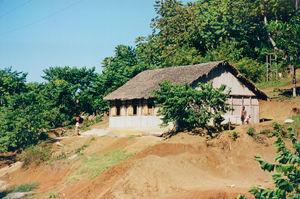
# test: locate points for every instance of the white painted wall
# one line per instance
(237, 88)
(251, 106)
(134, 122)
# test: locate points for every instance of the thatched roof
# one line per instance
(140, 86)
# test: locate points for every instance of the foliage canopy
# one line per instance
(188, 107)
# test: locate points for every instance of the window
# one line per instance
(118, 110)
(134, 109)
(150, 108)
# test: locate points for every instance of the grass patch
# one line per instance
(35, 154)
(131, 137)
(21, 188)
(94, 165)
(84, 146)
(274, 83)
(60, 157)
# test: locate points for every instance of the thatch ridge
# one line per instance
(140, 86)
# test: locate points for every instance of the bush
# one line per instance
(234, 135)
(21, 188)
(188, 107)
(279, 130)
(265, 131)
(250, 131)
(35, 154)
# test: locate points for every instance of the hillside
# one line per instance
(183, 166)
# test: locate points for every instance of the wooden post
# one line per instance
(231, 105)
(294, 82)
(276, 67)
(270, 66)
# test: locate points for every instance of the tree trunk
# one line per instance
(294, 82)
(269, 35)
(294, 68)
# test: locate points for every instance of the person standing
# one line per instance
(243, 114)
(77, 125)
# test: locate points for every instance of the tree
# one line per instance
(188, 107)
(212, 30)
(117, 70)
(22, 119)
(11, 82)
(78, 84)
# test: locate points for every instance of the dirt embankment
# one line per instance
(185, 166)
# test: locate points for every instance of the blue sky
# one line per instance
(37, 34)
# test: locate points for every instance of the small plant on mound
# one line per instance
(287, 173)
(279, 130)
(234, 135)
(250, 131)
(53, 195)
(35, 154)
(265, 131)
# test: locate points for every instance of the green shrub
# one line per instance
(25, 187)
(234, 135)
(189, 108)
(265, 131)
(250, 131)
(241, 197)
(21, 188)
(98, 118)
(35, 154)
(52, 195)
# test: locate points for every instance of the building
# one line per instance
(131, 105)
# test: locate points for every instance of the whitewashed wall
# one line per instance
(135, 121)
(251, 106)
